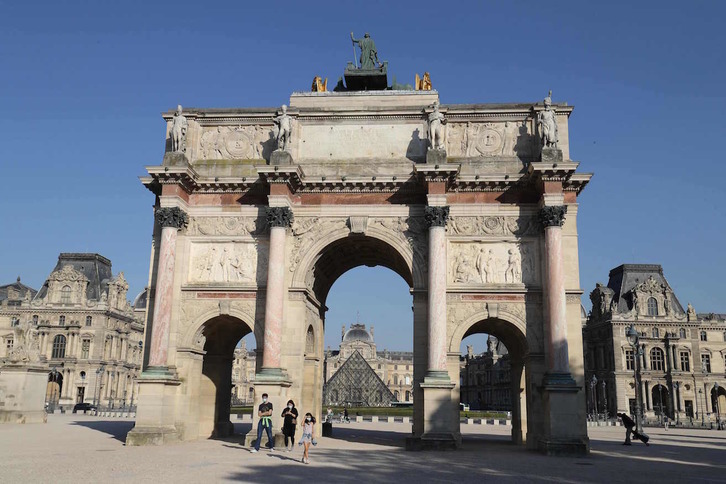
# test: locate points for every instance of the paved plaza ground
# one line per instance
(77, 448)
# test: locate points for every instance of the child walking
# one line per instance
(308, 427)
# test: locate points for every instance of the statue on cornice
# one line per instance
(179, 131)
(436, 121)
(284, 127)
(691, 313)
(368, 52)
(547, 124)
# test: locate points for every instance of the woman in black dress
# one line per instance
(288, 426)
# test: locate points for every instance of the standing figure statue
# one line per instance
(436, 121)
(284, 127)
(179, 131)
(368, 52)
(547, 124)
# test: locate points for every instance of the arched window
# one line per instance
(59, 347)
(724, 335)
(396, 395)
(408, 381)
(655, 333)
(704, 336)
(14, 321)
(66, 295)
(408, 396)
(682, 333)
(89, 320)
(62, 321)
(656, 359)
(652, 307)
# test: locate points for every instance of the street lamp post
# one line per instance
(700, 397)
(676, 386)
(593, 389)
(605, 399)
(660, 402)
(718, 407)
(634, 339)
(97, 389)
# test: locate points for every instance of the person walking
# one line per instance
(308, 426)
(629, 425)
(264, 412)
(289, 423)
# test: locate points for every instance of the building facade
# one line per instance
(82, 328)
(486, 378)
(682, 353)
(393, 368)
(243, 375)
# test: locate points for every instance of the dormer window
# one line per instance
(66, 295)
(62, 321)
(652, 307)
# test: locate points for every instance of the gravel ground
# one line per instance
(72, 448)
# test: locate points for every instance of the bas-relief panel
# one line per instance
(241, 142)
(473, 140)
(479, 263)
(226, 262)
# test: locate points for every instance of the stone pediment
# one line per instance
(67, 274)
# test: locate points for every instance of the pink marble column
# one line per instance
(279, 219)
(558, 363)
(171, 221)
(436, 218)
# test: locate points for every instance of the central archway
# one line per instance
(326, 262)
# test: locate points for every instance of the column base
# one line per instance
(565, 430)
(23, 388)
(275, 383)
(156, 409)
(152, 436)
(564, 448)
(440, 415)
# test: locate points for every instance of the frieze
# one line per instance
(226, 226)
(240, 142)
(492, 263)
(499, 225)
(489, 139)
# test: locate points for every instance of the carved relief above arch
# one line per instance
(197, 313)
(378, 246)
(507, 313)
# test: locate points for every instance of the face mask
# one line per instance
(264, 400)
(307, 419)
(290, 407)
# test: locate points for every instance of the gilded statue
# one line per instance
(423, 83)
(319, 85)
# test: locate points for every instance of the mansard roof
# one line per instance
(95, 267)
(17, 286)
(626, 276)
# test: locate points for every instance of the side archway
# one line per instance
(509, 329)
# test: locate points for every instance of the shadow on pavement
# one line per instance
(115, 428)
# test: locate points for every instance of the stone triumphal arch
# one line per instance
(259, 211)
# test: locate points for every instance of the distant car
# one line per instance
(463, 407)
(83, 407)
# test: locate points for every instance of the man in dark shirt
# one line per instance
(628, 424)
(264, 411)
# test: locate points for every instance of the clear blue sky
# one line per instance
(83, 84)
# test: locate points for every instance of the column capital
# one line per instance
(279, 217)
(171, 217)
(436, 216)
(552, 216)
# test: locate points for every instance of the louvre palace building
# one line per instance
(81, 328)
(682, 352)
